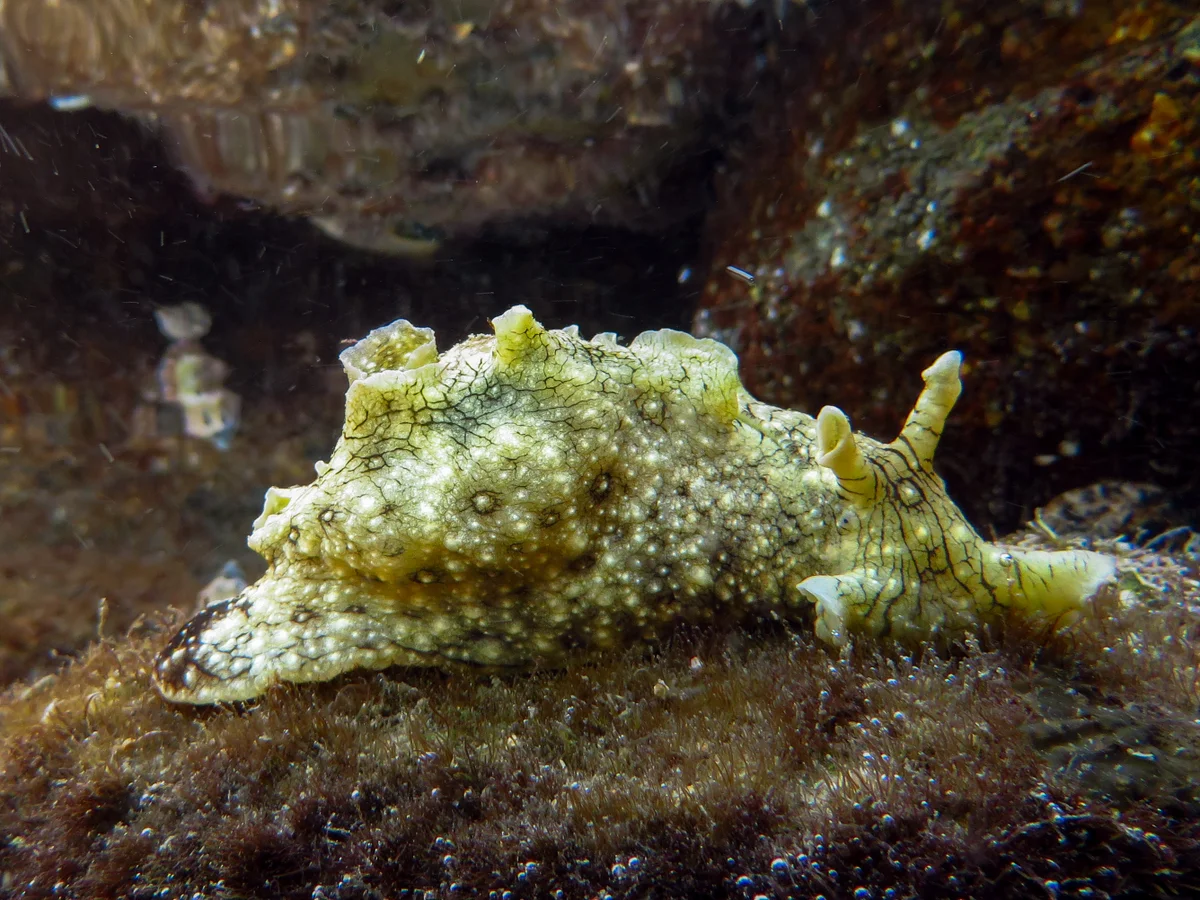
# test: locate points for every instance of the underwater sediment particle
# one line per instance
(531, 498)
(193, 379)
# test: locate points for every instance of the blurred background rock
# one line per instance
(1018, 180)
(393, 125)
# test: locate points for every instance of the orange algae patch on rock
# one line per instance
(534, 498)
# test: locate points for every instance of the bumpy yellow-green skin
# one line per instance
(533, 498)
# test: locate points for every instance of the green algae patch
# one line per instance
(726, 764)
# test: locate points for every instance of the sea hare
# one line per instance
(534, 498)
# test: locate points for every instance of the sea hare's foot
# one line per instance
(909, 565)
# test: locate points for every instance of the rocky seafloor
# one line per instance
(739, 765)
(1014, 179)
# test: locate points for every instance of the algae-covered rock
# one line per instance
(1014, 179)
(729, 765)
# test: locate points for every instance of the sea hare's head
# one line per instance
(904, 562)
(463, 484)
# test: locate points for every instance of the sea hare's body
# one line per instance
(532, 497)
